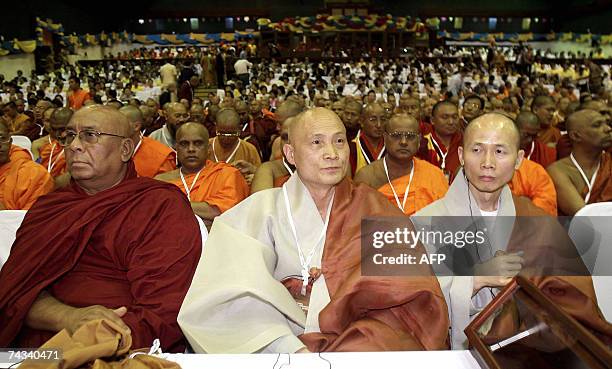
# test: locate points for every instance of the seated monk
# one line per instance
(212, 188)
(368, 145)
(407, 182)
(252, 293)
(22, 181)
(151, 157)
(536, 151)
(109, 246)
(274, 173)
(564, 146)
(544, 108)
(37, 144)
(52, 153)
(585, 177)
(439, 147)
(18, 123)
(490, 154)
(289, 108)
(228, 147)
(531, 179)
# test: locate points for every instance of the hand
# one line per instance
(79, 316)
(303, 351)
(498, 271)
(244, 167)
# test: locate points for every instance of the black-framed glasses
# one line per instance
(88, 136)
(409, 136)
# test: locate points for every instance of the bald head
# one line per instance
(577, 121)
(307, 121)
(590, 130)
(288, 108)
(494, 122)
(135, 118)
(192, 128)
(527, 119)
(228, 119)
(108, 118)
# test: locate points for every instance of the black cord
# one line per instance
(322, 358)
(17, 363)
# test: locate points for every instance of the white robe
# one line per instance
(236, 302)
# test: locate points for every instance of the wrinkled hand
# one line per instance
(79, 316)
(498, 271)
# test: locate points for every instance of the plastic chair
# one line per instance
(592, 234)
(10, 221)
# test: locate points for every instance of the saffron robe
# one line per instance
(153, 158)
(428, 151)
(134, 245)
(218, 184)
(532, 181)
(428, 185)
(542, 154)
(54, 151)
(360, 158)
(22, 182)
(246, 152)
(602, 188)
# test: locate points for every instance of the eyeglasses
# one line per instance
(88, 136)
(228, 134)
(409, 136)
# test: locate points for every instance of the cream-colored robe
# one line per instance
(236, 302)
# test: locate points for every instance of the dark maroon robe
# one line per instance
(135, 245)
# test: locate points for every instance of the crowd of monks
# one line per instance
(113, 192)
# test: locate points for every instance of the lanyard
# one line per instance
(229, 158)
(401, 206)
(188, 189)
(51, 162)
(287, 167)
(531, 151)
(439, 152)
(305, 263)
(586, 180)
(246, 125)
(138, 146)
(380, 154)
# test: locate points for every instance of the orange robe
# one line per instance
(549, 135)
(77, 98)
(55, 151)
(19, 153)
(19, 122)
(532, 181)
(542, 154)
(22, 182)
(428, 185)
(246, 152)
(602, 188)
(219, 185)
(153, 158)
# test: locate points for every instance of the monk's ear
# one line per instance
(574, 136)
(460, 154)
(288, 150)
(127, 149)
(519, 159)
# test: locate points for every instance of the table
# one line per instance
(397, 359)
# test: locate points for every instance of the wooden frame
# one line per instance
(588, 348)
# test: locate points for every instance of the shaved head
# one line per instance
(287, 109)
(228, 118)
(318, 148)
(527, 119)
(493, 121)
(192, 128)
(490, 154)
(589, 129)
(135, 118)
(109, 117)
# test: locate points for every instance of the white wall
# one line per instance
(10, 64)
